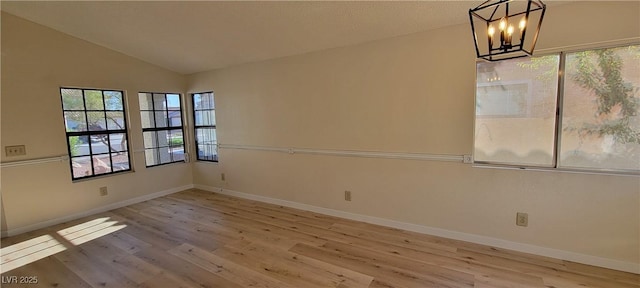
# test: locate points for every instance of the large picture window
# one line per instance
(96, 130)
(585, 118)
(601, 110)
(162, 129)
(204, 115)
(515, 111)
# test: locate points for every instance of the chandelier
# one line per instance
(506, 29)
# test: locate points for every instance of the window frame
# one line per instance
(88, 133)
(196, 127)
(557, 136)
(167, 128)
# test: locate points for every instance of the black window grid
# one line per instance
(95, 133)
(155, 147)
(211, 147)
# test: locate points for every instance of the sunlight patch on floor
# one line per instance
(29, 251)
(91, 230)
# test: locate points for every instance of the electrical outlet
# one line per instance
(347, 195)
(104, 191)
(222, 177)
(522, 219)
(16, 150)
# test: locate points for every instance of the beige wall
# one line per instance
(36, 61)
(415, 94)
(407, 94)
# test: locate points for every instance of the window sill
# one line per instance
(557, 170)
(102, 176)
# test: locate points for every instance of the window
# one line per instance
(162, 129)
(204, 115)
(601, 111)
(591, 123)
(515, 111)
(96, 130)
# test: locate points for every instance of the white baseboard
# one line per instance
(478, 239)
(44, 224)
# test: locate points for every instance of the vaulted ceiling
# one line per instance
(189, 37)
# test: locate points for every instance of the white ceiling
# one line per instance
(190, 37)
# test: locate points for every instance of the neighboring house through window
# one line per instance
(592, 123)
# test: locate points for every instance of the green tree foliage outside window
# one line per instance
(95, 125)
(600, 109)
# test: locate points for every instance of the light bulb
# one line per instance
(503, 24)
(523, 23)
(510, 30)
(491, 30)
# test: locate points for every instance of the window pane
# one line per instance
(175, 138)
(75, 121)
(146, 101)
(175, 118)
(147, 119)
(207, 152)
(165, 156)
(93, 100)
(159, 102)
(118, 142)
(151, 157)
(78, 145)
(72, 99)
(161, 119)
(206, 144)
(206, 136)
(101, 164)
(113, 99)
(115, 120)
(120, 161)
(97, 121)
(81, 166)
(205, 118)
(177, 153)
(163, 138)
(601, 110)
(515, 111)
(99, 144)
(203, 101)
(173, 101)
(150, 139)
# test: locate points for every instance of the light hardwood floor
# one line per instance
(201, 239)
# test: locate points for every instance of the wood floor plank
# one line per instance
(280, 212)
(126, 242)
(224, 268)
(277, 229)
(92, 269)
(292, 268)
(388, 270)
(201, 239)
(186, 272)
(181, 233)
(49, 272)
(236, 228)
(167, 280)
